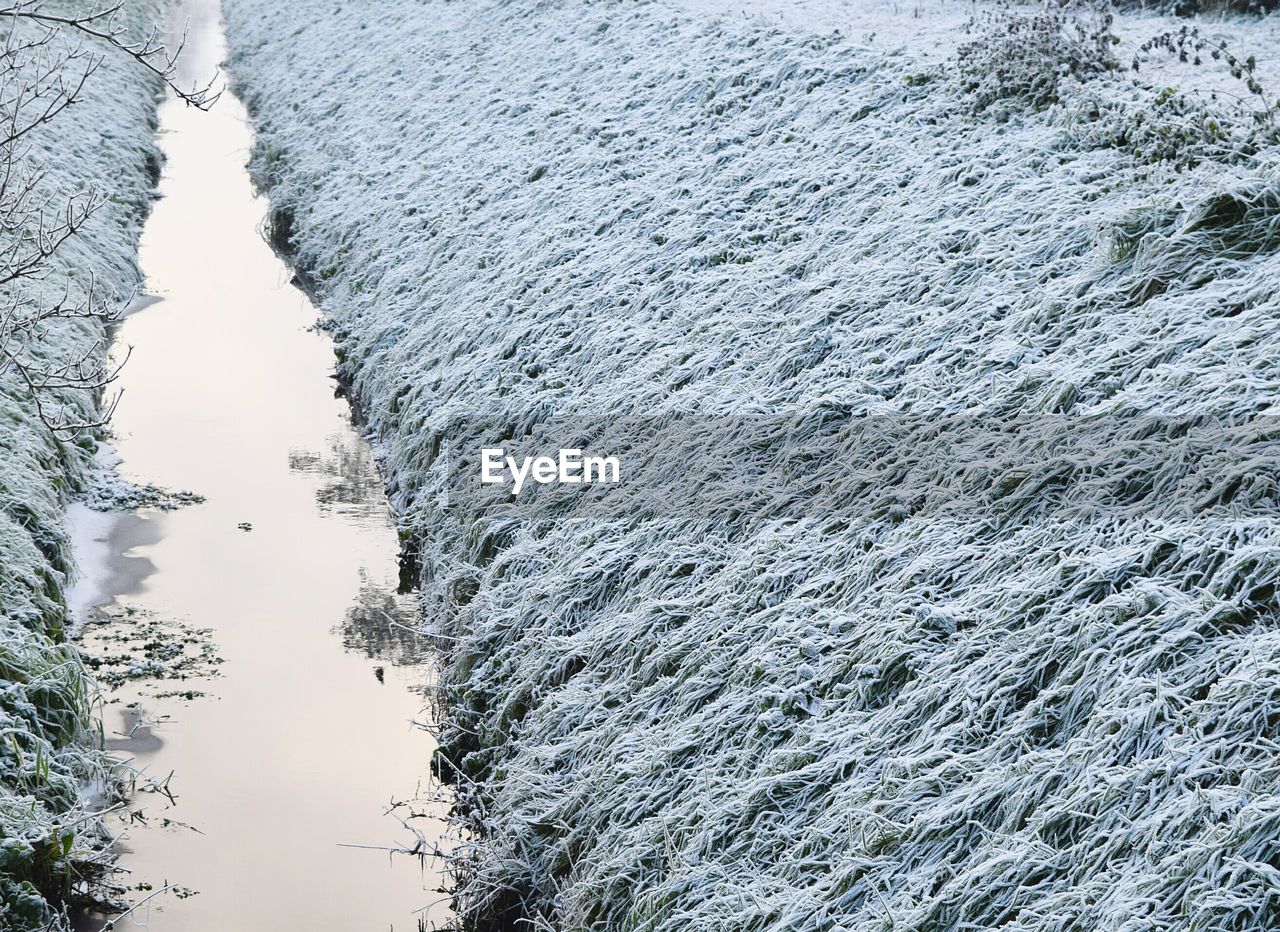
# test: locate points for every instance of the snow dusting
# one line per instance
(103, 142)
(950, 603)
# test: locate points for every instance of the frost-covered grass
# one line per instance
(1004, 655)
(104, 142)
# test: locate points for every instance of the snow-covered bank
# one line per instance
(1024, 682)
(102, 142)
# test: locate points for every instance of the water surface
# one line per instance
(306, 736)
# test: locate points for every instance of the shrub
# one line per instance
(1188, 45)
(1022, 58)
(1173, 126)
(1167, 126)
(1205, 7)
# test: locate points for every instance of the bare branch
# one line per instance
(48, 56)
(104, 23)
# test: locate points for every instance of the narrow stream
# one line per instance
(305, 736)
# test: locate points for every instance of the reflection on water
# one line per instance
(352, 485)
(383, 625)
(262, 792)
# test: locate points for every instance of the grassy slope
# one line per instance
(105, 141)
(1027, 682)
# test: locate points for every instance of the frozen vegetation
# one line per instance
(101, 143)
(949, 598)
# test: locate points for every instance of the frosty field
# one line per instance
(103, 142)
(1004, 652)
